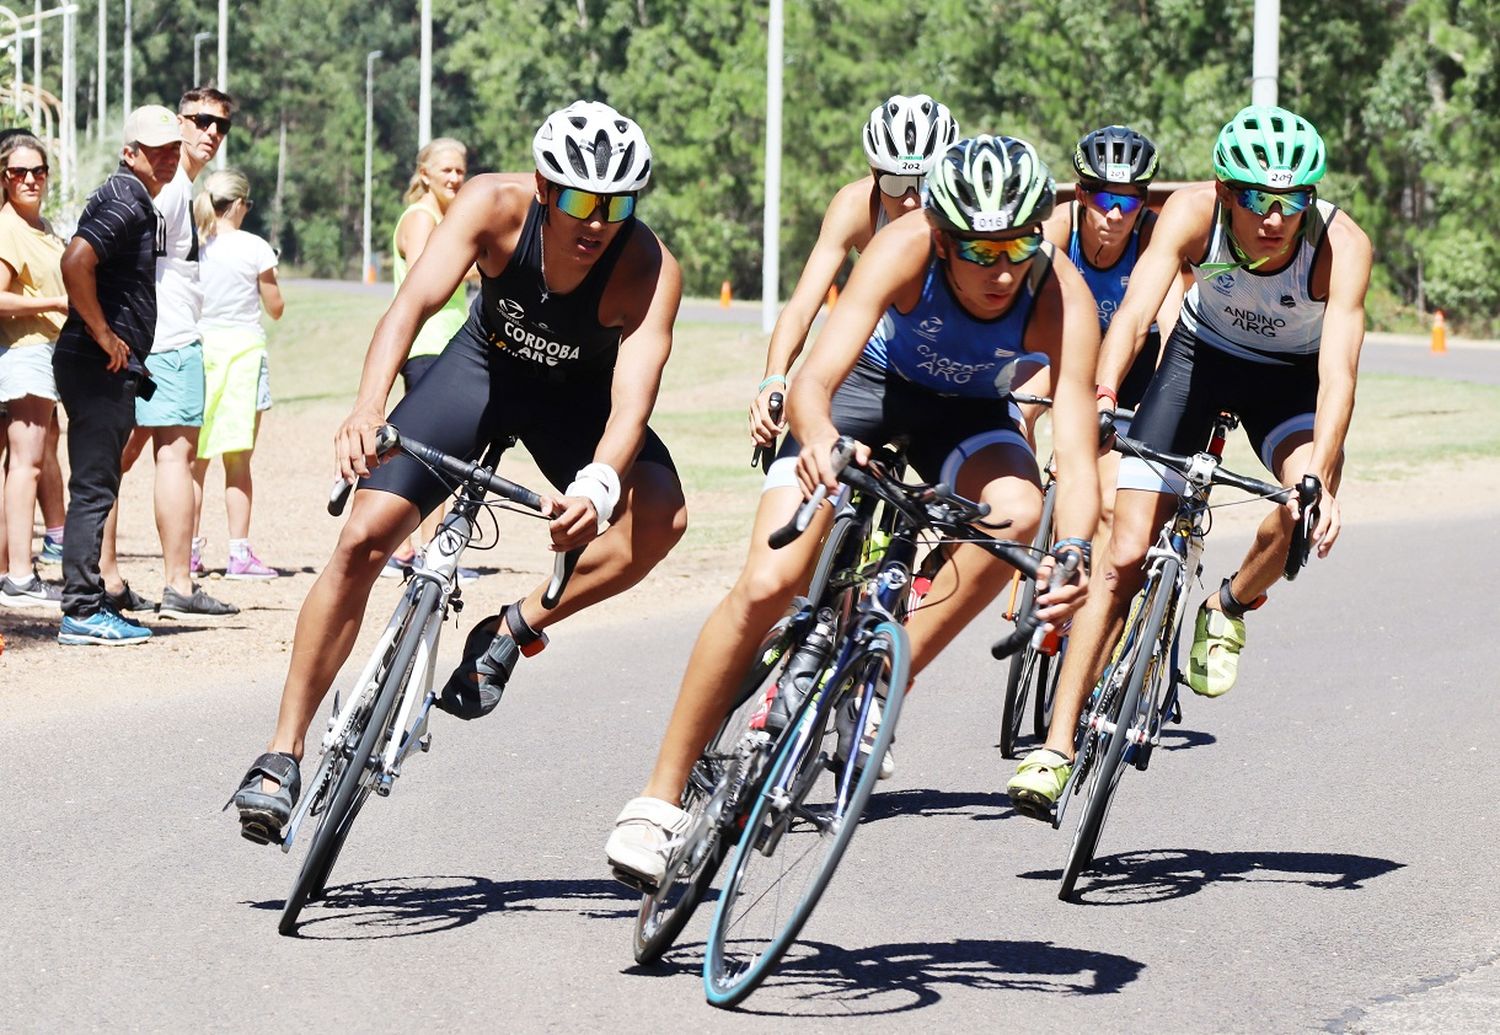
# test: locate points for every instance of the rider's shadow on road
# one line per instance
(1155, 876)
(401, 907)
(818, 979)
(926, 801)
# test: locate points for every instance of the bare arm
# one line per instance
(270, 294)
(1066, 326)
(412, 235)
(644, 348)
(14, 303)
(80, 264)
(1181, 227)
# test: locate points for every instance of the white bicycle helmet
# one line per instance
(905, 135)
(590, 146)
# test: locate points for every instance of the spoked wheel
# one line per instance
(1028, 672)
(348, 781)
(715, 794)
(803, 818)
(1122, 711)
(1045, 694)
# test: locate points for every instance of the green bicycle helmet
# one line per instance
(1269, 147)
(988, 184)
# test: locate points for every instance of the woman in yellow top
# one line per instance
(33, 304)
(441, 168)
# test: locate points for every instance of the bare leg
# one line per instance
(726, 646)
(1097, 625)
(27, 435)
(176, 449)
(238, 493)
(200, 473)
(50, 487)
(335, 606)
(109, 563)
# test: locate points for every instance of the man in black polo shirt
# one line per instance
(109, 269)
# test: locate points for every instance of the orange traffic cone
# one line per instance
(833, 295)
(724, 294)
(1439, 334)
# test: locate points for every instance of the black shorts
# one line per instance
(939, 432)
(413, 369)
(1138, 377)
(473, 395)
(1196, 382)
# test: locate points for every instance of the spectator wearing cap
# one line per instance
(109, 270)
(171, 420)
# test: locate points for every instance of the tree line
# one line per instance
(1405, 92)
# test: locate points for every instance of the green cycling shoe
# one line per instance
(1039, 782)
(1214, 663)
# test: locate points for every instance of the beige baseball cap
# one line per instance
(153, 126)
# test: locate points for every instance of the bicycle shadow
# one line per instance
(1175, 738)
(819, 979)
(1132, 878)
(927, 801)
(402, 907)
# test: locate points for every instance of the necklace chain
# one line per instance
(541, 232)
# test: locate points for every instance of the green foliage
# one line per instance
(1406, 93)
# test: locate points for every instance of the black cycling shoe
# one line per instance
(474, 688)
(264, 813)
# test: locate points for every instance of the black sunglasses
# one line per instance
(203, 120)
(17, 173)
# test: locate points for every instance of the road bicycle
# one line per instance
(1138, 693)
(383, 718)
(782, 807)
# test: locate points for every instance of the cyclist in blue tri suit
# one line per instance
(937, 315)
(1271, 330)
(903, 138)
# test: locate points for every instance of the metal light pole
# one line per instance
(771, 238)
(126, 58)
(198, 38)
(424, 90)
(36, 66)
(103, 65)
(223, 157)
(1266, 56)
(69, 132)
(367, 271)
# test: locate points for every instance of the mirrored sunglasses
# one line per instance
(581, 204)
(986, 251)
(1260, 201)
(18, 173)
(895, 186)
(1104, 200)
(203, 120)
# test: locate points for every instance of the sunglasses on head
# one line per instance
(896, 186)
(581, 204)
(986, 251)
(203, 120)
(17, 173)
(1104, 200)
(1260, 201)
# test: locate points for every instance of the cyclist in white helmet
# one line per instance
(903, 138)
(944, 304)
(565, 349)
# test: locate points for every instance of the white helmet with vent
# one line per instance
(590, 146)
(906, 135)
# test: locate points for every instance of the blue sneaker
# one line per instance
(51, 550)
(104, 629)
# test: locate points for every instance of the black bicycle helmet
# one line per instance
(1115, 154)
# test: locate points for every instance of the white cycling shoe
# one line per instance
(646, 834)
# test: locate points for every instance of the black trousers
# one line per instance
(101, 413)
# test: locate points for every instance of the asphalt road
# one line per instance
(1313, 851)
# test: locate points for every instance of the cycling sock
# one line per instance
(1232, 607)
(528, 639)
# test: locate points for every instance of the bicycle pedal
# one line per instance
(1143, 756)
(633, 882)
(383, 784)
(424, 743)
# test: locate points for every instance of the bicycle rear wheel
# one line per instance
(1029, 669)
(1045, 694)
(348, 781)
(803, 818)
(1124, 714)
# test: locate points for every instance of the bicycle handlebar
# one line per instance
(1029, 626)
(763, 455)
(388, 439)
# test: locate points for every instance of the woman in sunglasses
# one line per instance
(903, 138)
(564, 349)
(33, 305)
(941, 310)
(1270, 330)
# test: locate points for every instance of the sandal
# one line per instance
(264, 813)
(490, 656)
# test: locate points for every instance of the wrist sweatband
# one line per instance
(1102, 392)
(600, 485)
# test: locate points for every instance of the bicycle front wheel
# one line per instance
(803, 819)
(348, 783)
(1030, 672)
(1124, 719)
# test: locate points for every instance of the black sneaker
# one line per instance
(199, 605)
(127, 600)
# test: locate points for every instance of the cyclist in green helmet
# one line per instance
(1270, 330)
